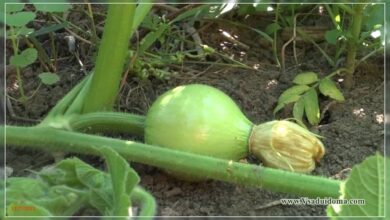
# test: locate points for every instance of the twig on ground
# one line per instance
(73, 33)
(129, 93)
(12, 114)
(289, 41)
(268, 205)
(230, 38)
(368, 56)
(195, 36)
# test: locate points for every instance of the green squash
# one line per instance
(203, 120)
(198, 119)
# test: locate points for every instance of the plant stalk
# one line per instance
(239, 173)
(108, 122)
(62, 105)
(346, 8)
(18, 75)
(95, 38)
(274, 42)
(355, 29)
(111, 58)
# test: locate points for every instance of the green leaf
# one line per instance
(27, 57)
(52, 7)
(244, 9)
(145, 200)
(196, 12)
(101, 199)
(263, 34)
(291, 99)
(20, 18)
(151, 37)
(49, 78)
(49, 28)
(31, 188)
(332, 36)
(63, 173)
(291, 94)
(262, 7)
(298, 109)
(27, 208)
(272, 28)
(150, 22)
(305, 78)
(24, 31)
(19, 31)
(2, 21)
(287, 100)
(71, 184)
(366, 181)
(40, 197)
(123, 180)
(89, 176)
(311, 106)
(14, 7)
(329, 88)
(289, 20)
(63, 200)
(83, 176)
(141, 13)
(2, 194)
(278, 108)
(369, 20)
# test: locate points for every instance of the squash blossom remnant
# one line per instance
(286, 145)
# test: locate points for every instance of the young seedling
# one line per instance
(357, 34)
(304, 95)
(17, 20)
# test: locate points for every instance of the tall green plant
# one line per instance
(111, 58)
(355, 30)
(362, 24)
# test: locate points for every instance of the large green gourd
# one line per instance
(199, 119)
(203, 120)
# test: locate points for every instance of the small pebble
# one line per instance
(173, 192)
(169, 212)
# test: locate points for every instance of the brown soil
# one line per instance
(352, 130)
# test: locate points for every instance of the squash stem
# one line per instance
(108, 122)
(239, 173)
(61, 107)
(111, 58)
